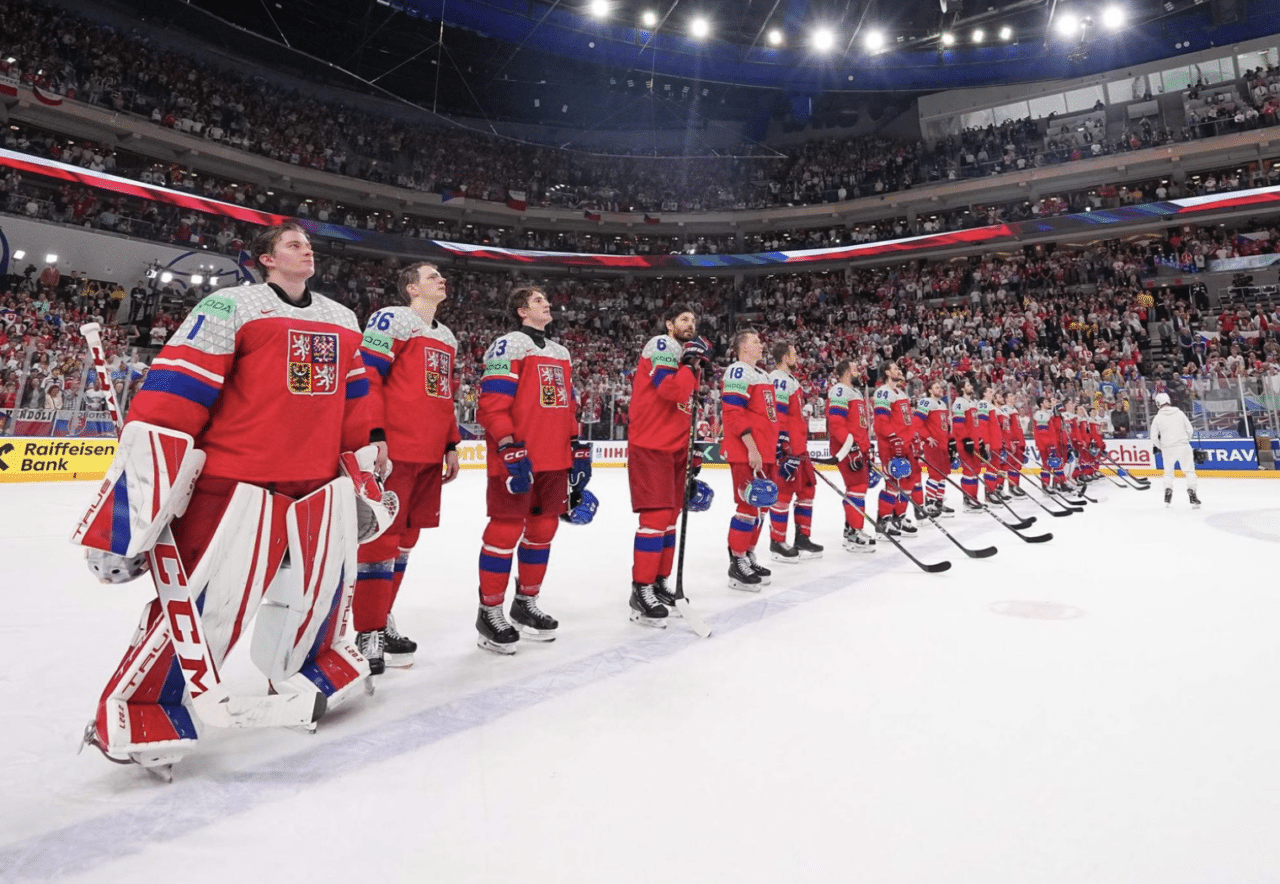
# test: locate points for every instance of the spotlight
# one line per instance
(874, 40)
(979, 35)
(166, 278)
(196, 279)
(599, 8)
(823, 39)
(51, 258)
(649, 18)
(774, 37)
(1113, 17)
(948, 38)
(1006, 33)
(19, 255)
(1068, 24)
(700, 28)
(213, 281)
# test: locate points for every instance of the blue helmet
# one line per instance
(873, 477)
(759, 492)
(700, 496)
(584, 512)
(899, 467)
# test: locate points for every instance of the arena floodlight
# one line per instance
(948, 38)
(1068, 24)
(196, 279)
(19, 255)
(1006, 33)
(1113, 18)
(648, 18)
(774, 37)
(700, 27)
(51, 258)
(874, 40)
(166, 278)
(824, 39)
(979, 35)
(599, 8)
(213, 281)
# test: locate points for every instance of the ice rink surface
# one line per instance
(1100, 708)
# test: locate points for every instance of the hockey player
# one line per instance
(933, 428)
(258, 393)
(1015, 443)
(411, 357)
(750, 445)
(1171, 435)
(795, 468)
(969, 437)
(662, 392)
(895, 441)
(988, 436)
(1047, 431)
(534, 459)
(849, 431)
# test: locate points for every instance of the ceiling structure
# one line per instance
(569, 63)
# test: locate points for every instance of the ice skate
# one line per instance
(496, 634)
(1016, 491)
(782, 552)
(665, 596)
(760, 570)
(858, 541)
(742, 575)
(158, 762)
(533, 623)
(645, 607)
(371, 646)
(1195, 501)
(905, 528)
(971, 505)
(807, 548)
(1168, 497)
(886, 527)
(397, 650)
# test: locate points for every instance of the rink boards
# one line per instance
(32, 459)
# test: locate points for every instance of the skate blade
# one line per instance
(765, 581)
(536, 635)
(859, 548)
(745, 587)
(495, 648)
(786, 560)
(653, 622)
(398, 661)
(809, 556)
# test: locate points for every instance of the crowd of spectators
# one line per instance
(129, 73)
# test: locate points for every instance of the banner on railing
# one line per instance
(49, 459)
(55, 422)
(1221, 455)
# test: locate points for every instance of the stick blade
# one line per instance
(984, 553)
(937, 567)
(693, 618)
(1039, 538)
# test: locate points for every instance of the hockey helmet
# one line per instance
(899, 467)
(583, 511)
(699, 495)
(1054, 462)
(873, 477)
(759, 492)
(1162, 399)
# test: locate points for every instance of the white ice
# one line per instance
(858, 720)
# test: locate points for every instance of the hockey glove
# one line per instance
(787, 468)
(952, 452)
(784, 446)
(984, 451)
(697, 353)
(1155, 449)
(515, 457)
(855, 458)
(969, 447)
(580, 472)
(695, 465)
(896, 447)
(376, 507)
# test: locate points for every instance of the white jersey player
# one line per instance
(1171, 435)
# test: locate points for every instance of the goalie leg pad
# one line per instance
(148, 485)
(300, 637)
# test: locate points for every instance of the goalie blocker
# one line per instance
(217, 549)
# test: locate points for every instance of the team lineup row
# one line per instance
(275, 450)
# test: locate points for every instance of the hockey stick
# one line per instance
(1140, 483)
(1015, 527)
(1032, 483)
(1023, 521)
(696, 623)
(934, 568)
(210, 698)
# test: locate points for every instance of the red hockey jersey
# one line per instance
(271, 391)
(933, 420)
(893, 416)
(847, 416)
(746, 397)
(789, 398)
(527, 393)
(411, 366)
(661, 397)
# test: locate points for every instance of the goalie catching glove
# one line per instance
(376, 507)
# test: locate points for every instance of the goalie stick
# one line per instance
(932, 568)
(210, 699)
